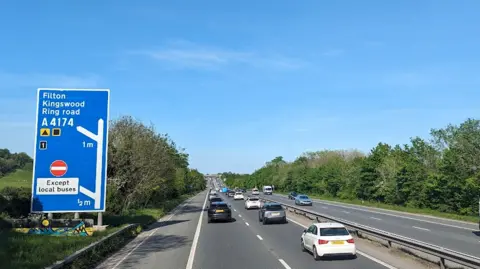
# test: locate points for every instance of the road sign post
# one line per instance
(70, 173)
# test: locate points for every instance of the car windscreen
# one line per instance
(274, 208)
(303, 197)
(333, 231)
(253, 199)
(268, 189)
(238, 193)
(216, 199)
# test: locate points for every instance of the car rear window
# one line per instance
(303, 197)
(333, 231)
(274, 207)
(253, 199)
(220, 205)
(216, 199)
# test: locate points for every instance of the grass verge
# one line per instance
(36, 251)
(420, 211)
(19, 178)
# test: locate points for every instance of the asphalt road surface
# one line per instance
(459, 236)
(185, 240)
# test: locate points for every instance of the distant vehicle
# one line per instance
(212, 195)
(224, 190)
(302, 199)
(267, 190)
(238, 196)
(231, 193)
(252, 202)
(219, 211)
(326, 239)
(292, 195)
(255, 191)
(272, 212)
(215, 200)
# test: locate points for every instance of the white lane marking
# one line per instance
(324, 207)
(150, 234)
(376, 260)
(246, 223)
(259, 237)
(239, 215)
(420, 228)
(404, 217)
(284, 264)
(346, 212)
(234, 210)
(195, 238)
(375, 218)
(359, 252)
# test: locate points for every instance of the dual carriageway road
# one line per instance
(184, 239)
(455, 235)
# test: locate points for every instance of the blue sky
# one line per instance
(239, 83)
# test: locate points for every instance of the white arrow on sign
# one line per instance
(98, 174)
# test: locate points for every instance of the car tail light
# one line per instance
(322, 242)
(351, 241)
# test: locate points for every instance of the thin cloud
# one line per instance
(38, 80)
(185, 54)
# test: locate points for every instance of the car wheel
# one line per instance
(209, 220)
(264, 221)
(315, 254)
(285, 220)
(302, 246)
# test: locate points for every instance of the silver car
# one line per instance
(272, 212)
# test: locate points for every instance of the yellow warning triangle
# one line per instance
(44, 132)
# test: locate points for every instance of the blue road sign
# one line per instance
(70, 156)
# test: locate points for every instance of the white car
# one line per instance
(325, 239)
(252, 202)
(255, 192)
(238, 196)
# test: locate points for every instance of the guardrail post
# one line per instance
(50, 215)
(442, 263)
(389, 243)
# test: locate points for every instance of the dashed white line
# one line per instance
(234, 210)
(246, 223)
(324, 207)
(375, 218)
(346, 212)
(420, 228)
(284, 264)
(239, 215)
(259, 237)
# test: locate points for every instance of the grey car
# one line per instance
(272, 212)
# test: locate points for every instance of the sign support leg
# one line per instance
(50, 216)
(100, 219)
(76, 215)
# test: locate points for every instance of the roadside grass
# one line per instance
(420, 211)
(24, 251)
(19, 178)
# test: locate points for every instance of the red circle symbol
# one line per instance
(58, 168)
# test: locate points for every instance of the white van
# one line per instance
(267, 190)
